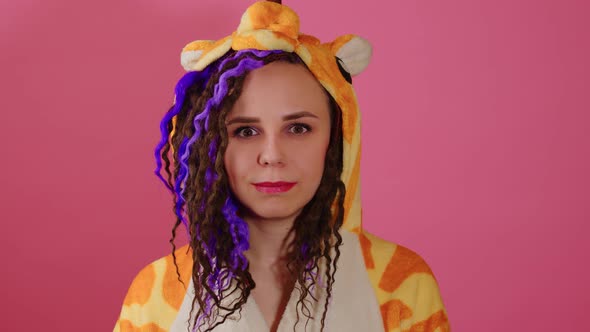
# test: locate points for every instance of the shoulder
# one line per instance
(394, 260)
(406, 289)
(156, 293)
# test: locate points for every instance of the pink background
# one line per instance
(475, 149)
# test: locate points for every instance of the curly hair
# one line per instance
(194, 133)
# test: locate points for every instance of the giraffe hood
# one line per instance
(381, 286)
(268, 25)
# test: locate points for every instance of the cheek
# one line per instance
(311, 158)
(229, 160)
(236, 163)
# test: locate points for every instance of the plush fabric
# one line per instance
(403, 286)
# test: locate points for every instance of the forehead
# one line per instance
(281, 88)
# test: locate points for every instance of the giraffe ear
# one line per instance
(192, 52)
(354, 51)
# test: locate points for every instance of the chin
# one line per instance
(275, 211)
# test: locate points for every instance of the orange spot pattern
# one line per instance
(141, 288)
(309, 40)
(197, 45)
(127, 326)
(393, 312)
(351, 186)
(339, 42)
(172, 132)
(275, 18)
(403, 264)
(366, 248)
(214, 46)
(291, 41)
(173, 290)
(241, 42)
(437, 320)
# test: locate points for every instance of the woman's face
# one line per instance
(279, 131)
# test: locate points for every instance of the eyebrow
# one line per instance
(293, 116)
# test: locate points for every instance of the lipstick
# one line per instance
(274, 187)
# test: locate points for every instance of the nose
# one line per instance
(271, 152)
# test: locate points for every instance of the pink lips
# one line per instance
(274, 187)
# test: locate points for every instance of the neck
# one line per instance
(269, 239)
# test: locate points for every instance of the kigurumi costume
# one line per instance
(379, 286)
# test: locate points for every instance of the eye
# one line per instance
(299, 128)
(245, 132)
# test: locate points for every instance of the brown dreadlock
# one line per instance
(316, 227)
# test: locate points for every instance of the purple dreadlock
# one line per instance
(220, 278)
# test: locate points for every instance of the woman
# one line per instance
(265, 143)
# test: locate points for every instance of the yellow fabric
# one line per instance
(404, 285)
